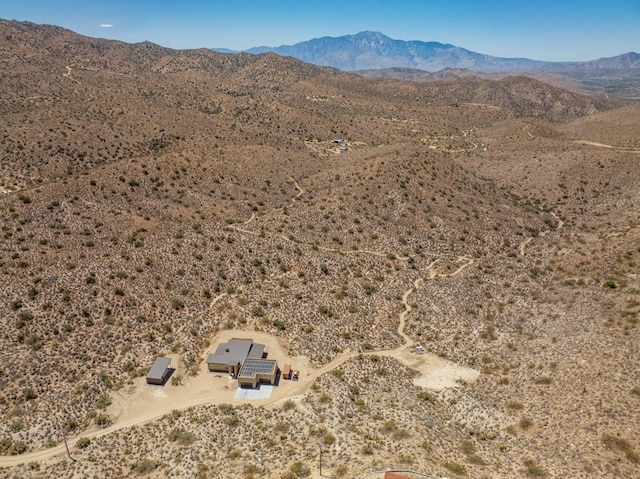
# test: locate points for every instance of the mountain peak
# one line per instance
(371, 50)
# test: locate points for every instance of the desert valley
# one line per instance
(450, 265)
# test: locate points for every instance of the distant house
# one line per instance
(160, 371)
(229, 356)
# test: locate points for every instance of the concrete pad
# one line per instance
(263, 391)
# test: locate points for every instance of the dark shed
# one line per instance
(159, 371)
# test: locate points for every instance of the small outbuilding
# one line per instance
(160, 371)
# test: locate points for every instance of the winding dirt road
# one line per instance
(139, 403)
(610, 147)
(524, 244)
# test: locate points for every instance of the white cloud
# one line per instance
(106, 25)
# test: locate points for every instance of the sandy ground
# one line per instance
(141, 400)
(139, 403)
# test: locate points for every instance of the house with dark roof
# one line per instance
(229, 356)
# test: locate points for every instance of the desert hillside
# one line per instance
(156, 199)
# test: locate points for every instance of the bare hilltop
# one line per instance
(156, 202)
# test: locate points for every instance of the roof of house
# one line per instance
(159, 367)
(256, 351)
(251, 367)
(235, 351)
(394, 475)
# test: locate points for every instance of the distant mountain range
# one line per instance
(373, 50)
(375, 55)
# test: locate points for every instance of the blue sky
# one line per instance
(553, 30)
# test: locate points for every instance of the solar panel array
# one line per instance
(251, 367)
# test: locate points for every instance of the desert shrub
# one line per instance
(406, 459)
(29, 394)
(71, 424)
(525, 423)
(297, 469)
(456, 468)
(103, 401)
(468, 447)
(621, 444)
(232, 420)
(83, 443)
(367, 450)
(389, 426)
(328, 439)
(175, 434)
(477, 460)
(515, 406)
(369, 289)
(250, 469)
(400, 434)
(101, 420)
(145, 466)
(426, 397)
(533, 470)
(177, 304)
(17, 447)
(543, 380)
(226, 408)
(5, 444)
(341, 471)
(16, 426)
(106, 380)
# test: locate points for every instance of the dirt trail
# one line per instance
(526, 130)
(68, 74)
(524, 244)
(610, 147)
(253, 215)
(560, 222)
(139, 403)
(543, 233)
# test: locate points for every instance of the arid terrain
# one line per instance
(158, 201)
